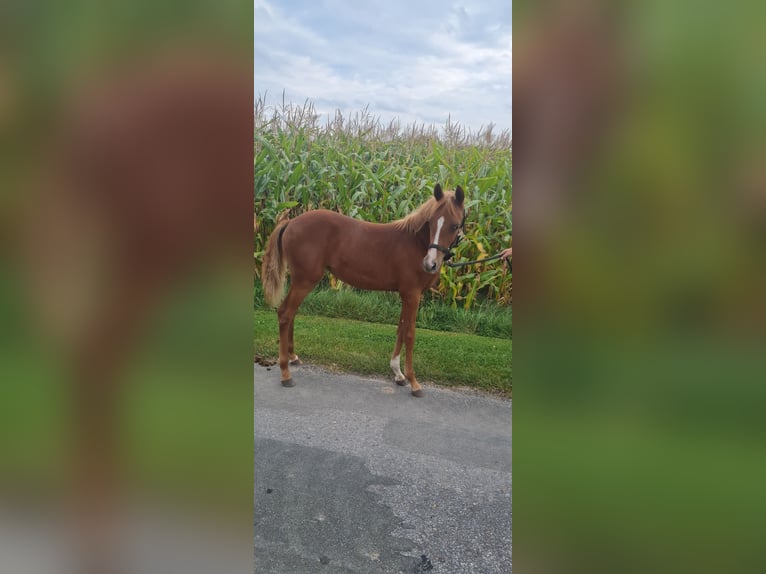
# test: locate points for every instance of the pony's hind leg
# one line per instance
(292, 358)
(286, 314)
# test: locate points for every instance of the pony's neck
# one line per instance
(421, 237)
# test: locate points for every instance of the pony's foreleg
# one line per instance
(395, 361)
(286, 314)
(410, 304)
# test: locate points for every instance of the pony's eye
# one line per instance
(455, 227)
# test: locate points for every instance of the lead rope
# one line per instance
(464, 263)
(448, 252)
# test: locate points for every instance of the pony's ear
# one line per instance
(459, 195)
(438, 193)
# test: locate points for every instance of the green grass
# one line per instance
(449, 359)
(486, 319)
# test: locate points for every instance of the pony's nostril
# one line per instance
(433, 266)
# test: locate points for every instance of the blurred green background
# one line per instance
(185, 409)
(639, 356)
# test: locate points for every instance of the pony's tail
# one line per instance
(274, 269)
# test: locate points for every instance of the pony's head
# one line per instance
(445, 219)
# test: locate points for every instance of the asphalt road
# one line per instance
(355, 475)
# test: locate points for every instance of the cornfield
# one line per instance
(359, 167)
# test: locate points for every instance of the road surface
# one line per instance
(355, 475)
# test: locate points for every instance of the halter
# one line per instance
(448, 250)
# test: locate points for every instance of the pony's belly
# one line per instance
(370, 280)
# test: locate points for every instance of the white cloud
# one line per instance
(418, 61)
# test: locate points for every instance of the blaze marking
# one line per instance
(431, 256)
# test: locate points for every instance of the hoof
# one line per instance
(418, 393)
(400, 383)
(288, 383)
(295, 362)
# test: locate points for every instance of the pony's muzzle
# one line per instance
(430, 264)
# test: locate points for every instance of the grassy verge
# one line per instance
(450, 359)
(486, 319)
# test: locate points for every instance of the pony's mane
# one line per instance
(414, 221)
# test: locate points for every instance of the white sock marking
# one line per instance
(395, 366)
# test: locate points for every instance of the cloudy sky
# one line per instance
(419, 60)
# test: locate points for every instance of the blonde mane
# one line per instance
(414, 221)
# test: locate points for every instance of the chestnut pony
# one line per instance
(403, 256)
